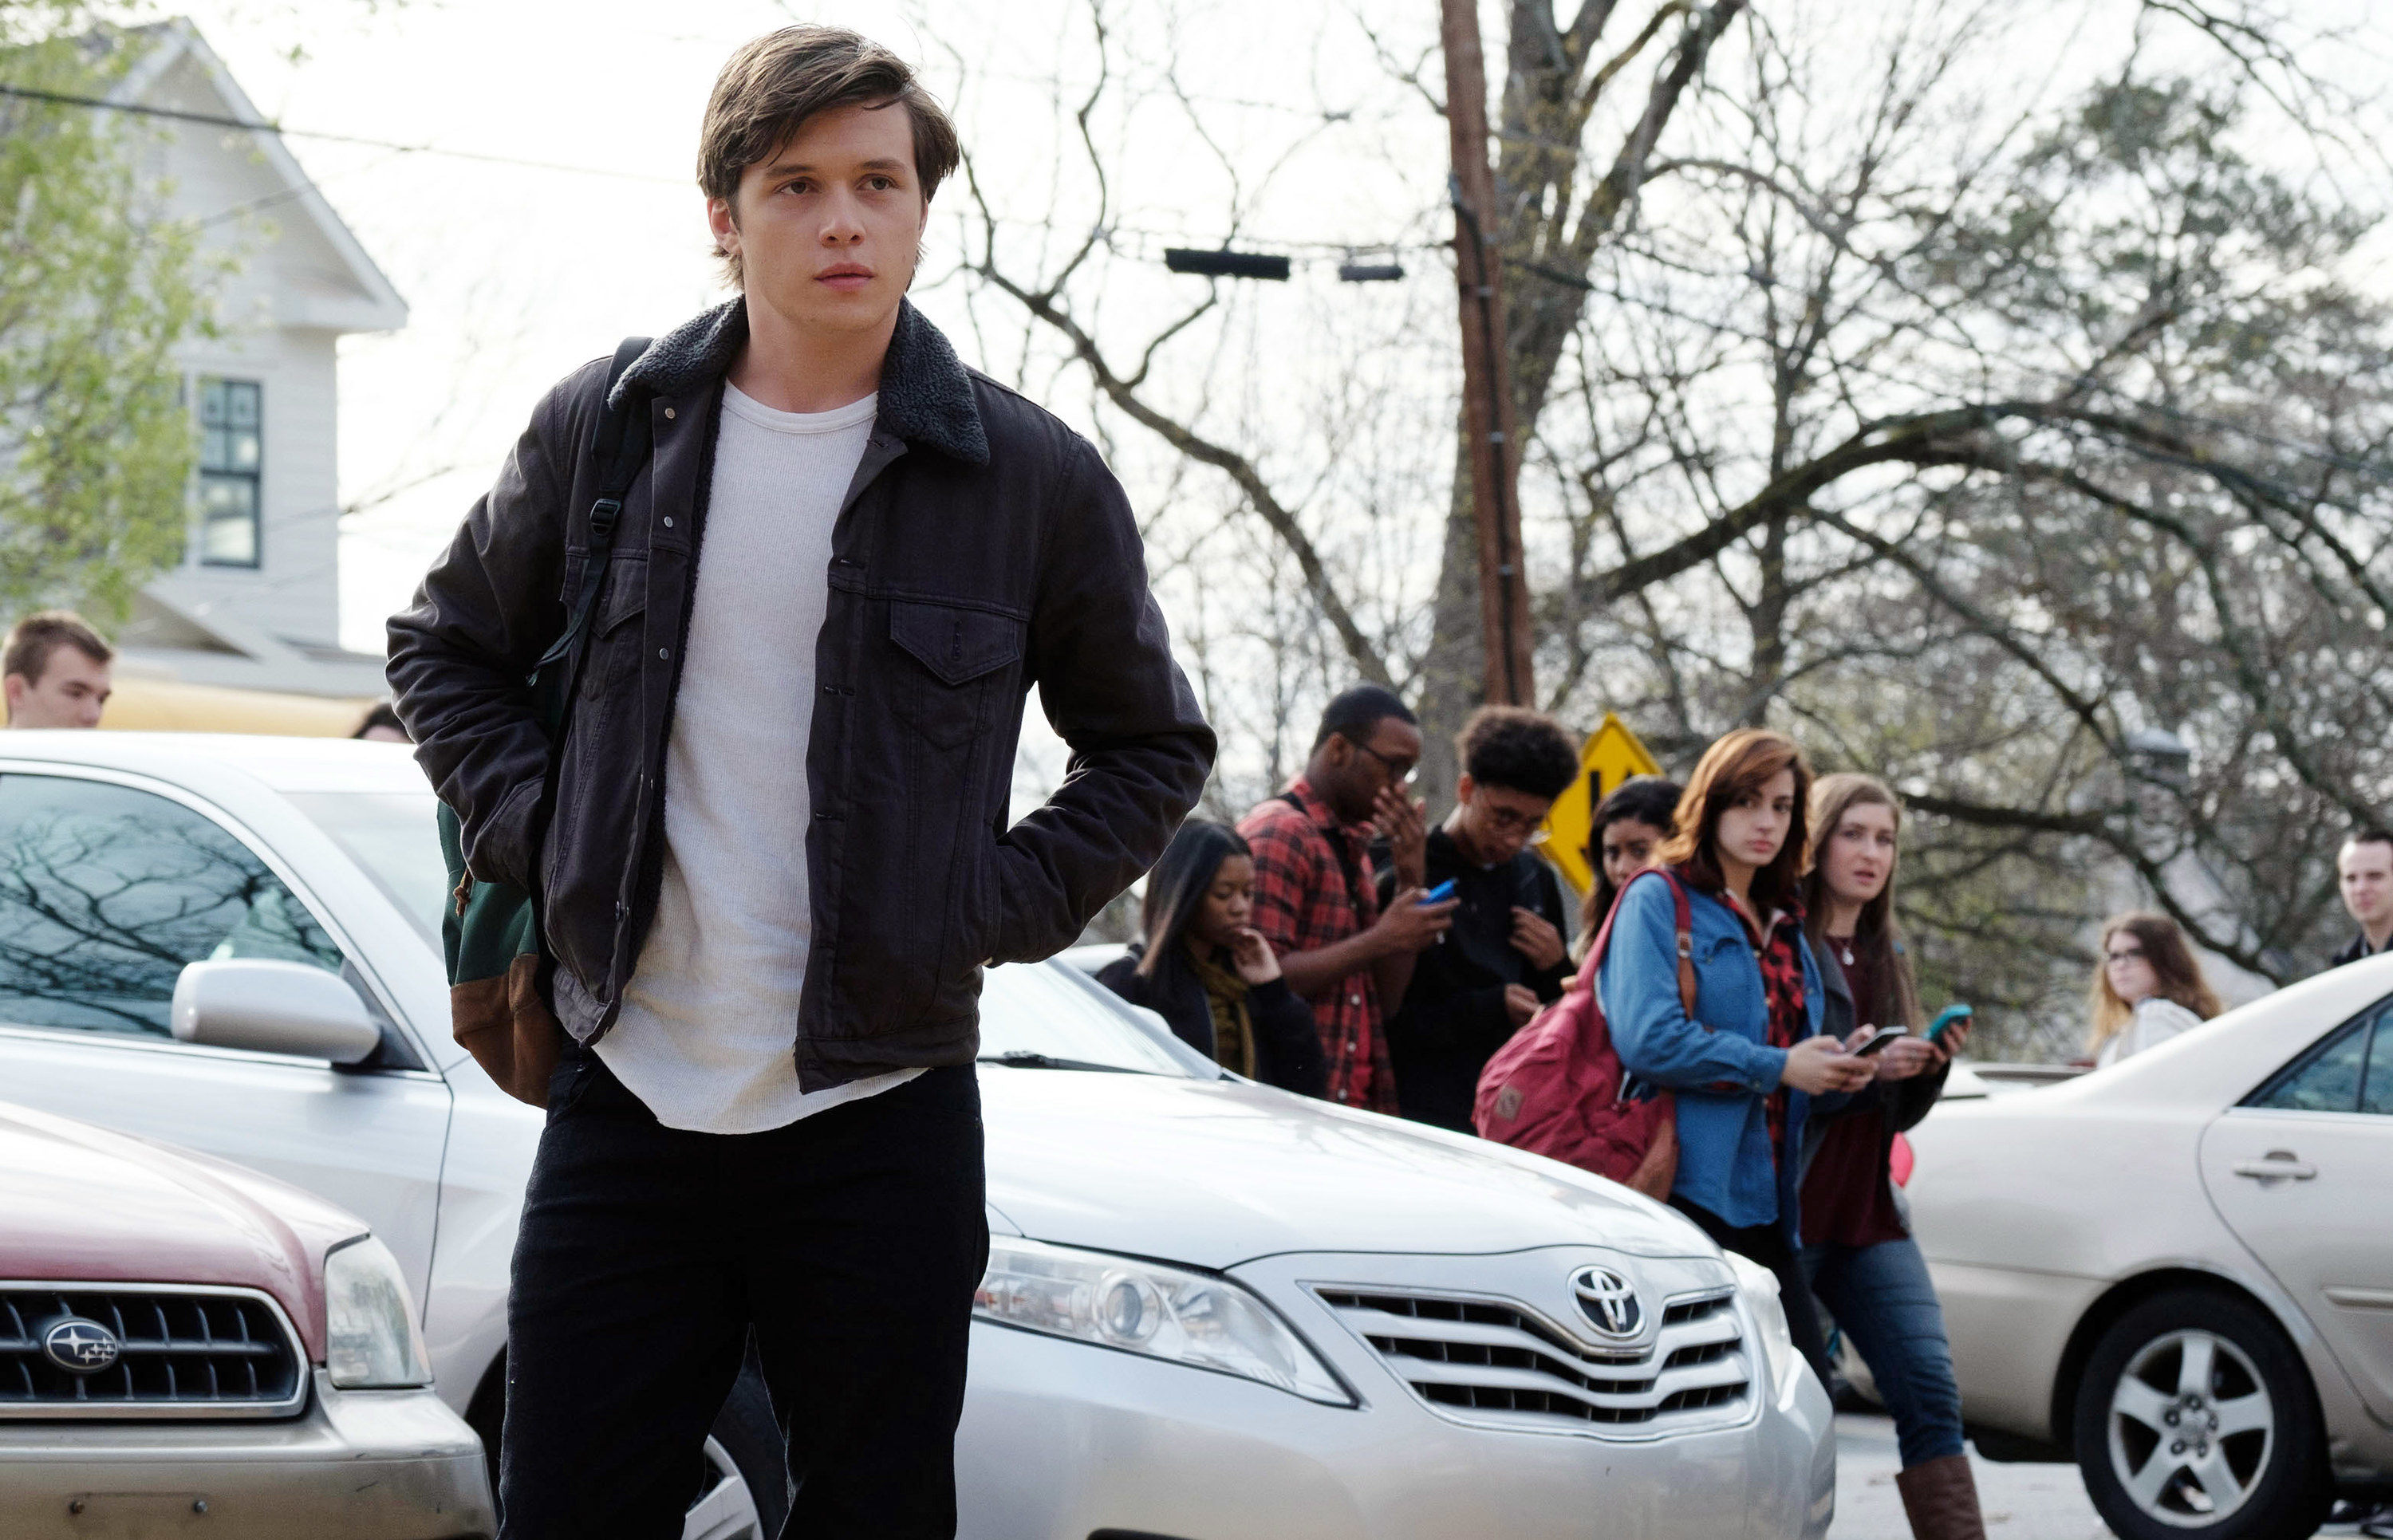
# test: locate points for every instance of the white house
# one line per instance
(256, 603)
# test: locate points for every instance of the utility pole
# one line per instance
(1493, 439)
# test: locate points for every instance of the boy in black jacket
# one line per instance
(1505, 956)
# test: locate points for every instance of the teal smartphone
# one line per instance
(1946, 1017)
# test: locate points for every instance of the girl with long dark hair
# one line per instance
(1209, 972)
(1631, 824)
(1747, 1063)
(1858, 1252)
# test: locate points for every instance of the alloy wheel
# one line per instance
(726, 1509)
(2191, 1429)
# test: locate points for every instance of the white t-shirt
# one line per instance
(2156, 1020)
(708, 1031)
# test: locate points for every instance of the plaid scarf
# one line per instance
(1775, 952)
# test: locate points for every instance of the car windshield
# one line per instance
(394, 837)
(1050, 1016)
(1036, 1017)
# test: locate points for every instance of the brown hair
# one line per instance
(772, 85)
(1739, 766)
(1877, 935)
(2173, 963)
(39, 634)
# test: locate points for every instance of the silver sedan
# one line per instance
(2178, 1270)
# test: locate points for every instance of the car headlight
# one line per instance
(1169, 1313)
(1759, 1287)
(370, 1340)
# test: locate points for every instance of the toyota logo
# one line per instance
(1607, 1301)
(80, 1346)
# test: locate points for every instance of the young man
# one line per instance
(1505, 956)
(1315, 899)
(776, 857)
(2363, 871)
(55, 671)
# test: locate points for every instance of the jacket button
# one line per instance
(668, 521)
(668, 414)
(664, 652)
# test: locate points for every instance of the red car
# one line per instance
(184, 1342)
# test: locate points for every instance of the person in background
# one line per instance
(381, 725)
(1748, 1064)
(2147, 989)
(1631, 824)
(1315, 901)
(1207, 971)
(2364, 872)
(1858, 1253)
(1505, 956)
(55, 671)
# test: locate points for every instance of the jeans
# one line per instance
(1881, 1298)
(1768, 1245)
(850, 1240)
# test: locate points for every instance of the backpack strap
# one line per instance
(1686, 919)
(619, 443)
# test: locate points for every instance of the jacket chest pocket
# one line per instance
(611, 652)
(960, 657)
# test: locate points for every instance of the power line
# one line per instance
(216, 120)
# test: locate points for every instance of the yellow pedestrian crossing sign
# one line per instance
(1611, 756)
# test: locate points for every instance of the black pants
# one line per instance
(851, 1242)
(1767, 1245)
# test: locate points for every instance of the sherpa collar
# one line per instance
(926, 396)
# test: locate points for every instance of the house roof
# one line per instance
(373, 304)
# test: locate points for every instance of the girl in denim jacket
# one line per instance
(1745, 1066)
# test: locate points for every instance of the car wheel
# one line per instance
(743, 1488)
(2195, 1418)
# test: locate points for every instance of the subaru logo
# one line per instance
(80, 1346)
(1607, 1301)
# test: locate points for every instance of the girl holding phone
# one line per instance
(1747, 1064)
(1858, 1253)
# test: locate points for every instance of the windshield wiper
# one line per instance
(1023, 1058)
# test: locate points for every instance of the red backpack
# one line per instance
(1555, 1088)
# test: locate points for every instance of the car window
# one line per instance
(107, 892)
(2376, 1083)
(2348, 1072)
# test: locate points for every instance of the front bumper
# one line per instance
(1061, 1439)
(365, 1465)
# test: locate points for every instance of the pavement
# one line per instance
(2022, 1502)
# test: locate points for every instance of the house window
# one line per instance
(231, 448)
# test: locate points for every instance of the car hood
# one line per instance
(80, 1204)
(1215, 1173)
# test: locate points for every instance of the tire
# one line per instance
(743, 1489)
(2196, 1421)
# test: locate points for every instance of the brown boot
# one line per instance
(1940, 1499)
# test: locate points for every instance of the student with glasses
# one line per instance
(1505, 957)
(2147, 989)
(1341, 946)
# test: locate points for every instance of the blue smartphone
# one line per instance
(1946, 1018)
(1439, 893)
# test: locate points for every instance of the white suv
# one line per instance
(1212, 1309)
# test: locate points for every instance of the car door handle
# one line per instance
(2277, 1167)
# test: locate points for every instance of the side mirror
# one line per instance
(272, 1007)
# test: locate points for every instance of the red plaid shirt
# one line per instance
(1304, 902)
(1775, 951)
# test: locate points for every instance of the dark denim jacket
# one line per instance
(982, 548)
